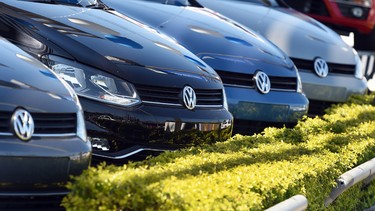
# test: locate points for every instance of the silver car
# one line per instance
(330, 69)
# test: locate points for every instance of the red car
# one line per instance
(343, 16)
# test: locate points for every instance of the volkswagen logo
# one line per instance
(23, 124)
(263, 82)
(321, 67)
(189, 97)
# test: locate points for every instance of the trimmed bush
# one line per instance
(245, 172)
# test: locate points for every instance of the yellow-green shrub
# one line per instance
(245, 172)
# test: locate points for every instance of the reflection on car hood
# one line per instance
(97, 38)
(295, 33)
(203, 31)
(21, 71)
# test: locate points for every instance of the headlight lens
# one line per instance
(92, 83)
(362, 3)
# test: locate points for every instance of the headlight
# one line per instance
(358, 65)
(92, 83)
(362, 3)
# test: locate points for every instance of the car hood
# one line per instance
(99, 39)
(295, 33)
(24, 76)
(207, 34)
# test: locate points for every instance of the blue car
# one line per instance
(262, 84)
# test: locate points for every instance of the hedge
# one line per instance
(244, 172)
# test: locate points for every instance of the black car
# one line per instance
(140, 91)
(42, 133)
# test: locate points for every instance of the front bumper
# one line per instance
(119, 133)
(274, 107)
(333, 88)
(40, 166)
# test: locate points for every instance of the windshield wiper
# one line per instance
(98, 5)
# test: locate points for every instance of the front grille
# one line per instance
(346, 10)
(5, 122)
(303, 64)
(247, 80)
(283, 83)
(238, 79)
(54, 123)
(167, 95)
(206, 98)
(247, 127)
(308, 65)
(45, 123)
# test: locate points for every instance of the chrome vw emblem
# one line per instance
(23, 124)
(263, 82)
(321, 67)
(189, 97)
